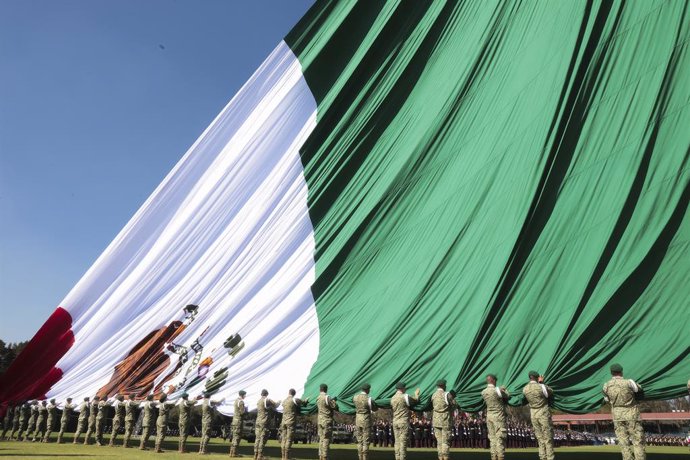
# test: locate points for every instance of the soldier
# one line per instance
(52, 417)
(326, 407)
(364, 406)
(7, 423)
(82, 421)
(162, 422)
(16, 422)
(185, 409)
(496, 399)
(208, 408)
(622, 394)
(400, 405)
(237, 418)
(91, 424)
(130, 418)
(31, 426)
(291, 409)
(119, 406)
(24, 414)
(442, 420)
(39, 432)
(149, 418)
(67, 409)
(100, 420)
(537, 395)
(263, 407)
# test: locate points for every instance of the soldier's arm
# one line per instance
(372, 405)
(603, 390)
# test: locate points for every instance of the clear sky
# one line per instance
(98, 101)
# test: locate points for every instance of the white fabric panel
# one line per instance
(228, 230)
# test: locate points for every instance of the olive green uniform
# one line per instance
(130, 420)
(496, 400)
(100, 421)
(39, 432)
(7, 423)
(263, 406)
(207, 411)
(238, 417)
(64, 420)
(16, 423)
(147, 425)
(50, 421)
(620, 393)
(185, 409)
(91, 426)
(118, 419)
(364, 406)
(162, 423)
(291, 408)
(326, 407)
(443, 404)
(83, 420)
(537, 396)
(400, 405)
(31, 425)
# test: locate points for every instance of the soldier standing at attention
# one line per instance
(100, 420)
(442, 419)
(93, 412)
(52, 417)
(83, 419)
(185, 409)
(622, 394)
(119, 406)
(291, 409)
(67, 409)
(364, 406)
(130, 418)
(326, 407)
(263, 406)
(207, 409)
(237, 418)
(496, 399)
(16, 423)
(149, 418)
(31, 426)
(162, 420)
(400, 405)
(7, 424)
(40, 422)
(537, 396)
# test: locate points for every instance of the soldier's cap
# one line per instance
(96, 398)
(533, 374)
(206, 394)
(132, 395)
(163, 397)
(400, 386)
(86, 399)
(441, 383)
(69, 399)
(452, 393)
(366, 387)
(243, 393)
(52, 401)
(184, 395)
(323, 387)
(264, 392)
(149, 397)
(493, 376)
(616, 368)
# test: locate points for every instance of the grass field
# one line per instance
(339, 452)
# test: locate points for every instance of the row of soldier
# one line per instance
(619, 392)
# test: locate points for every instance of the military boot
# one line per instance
(232, 451)
(158, 448)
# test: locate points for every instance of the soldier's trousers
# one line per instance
(325, 436)
(160, 435)
(205, 438)
(81, 428)
(5, 429)
(30, 428)
(286, 432)
(543, 432)
(99, 431)
(129, 430)
(363, 435)
(400, 435)
(496, 426)
(261, 437)
(630, 434)
(40, 431)
(443, 437)
(145, 434)
(184, 430)
(91, 429)
(63, 428)
(116, 429)
(49, 431)
(236, 435)
(15, 429)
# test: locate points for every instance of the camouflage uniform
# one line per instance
(620, 393)
(291, 408)
(207, 408)
(50, 423)
(39, 432)
(364, 406)
(162, 423)
(119, 406)
(83, 420)
(100, 420)
(237, 419)
(147, 425)
(91, 427)
(326, 407)
(444, 405)
(7, 424)
(496, 399)
(537, 396)
(64, 420)
(130, 420)
(31, 425)
(400, 405)
(261, 428)
(16, 423)
(185, 409)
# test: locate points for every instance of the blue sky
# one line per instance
(98, 101)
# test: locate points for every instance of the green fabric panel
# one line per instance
(499, 187)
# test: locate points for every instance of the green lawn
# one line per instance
(30, 450)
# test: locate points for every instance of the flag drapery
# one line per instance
(410, 191)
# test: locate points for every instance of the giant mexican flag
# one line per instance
(410, 191)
